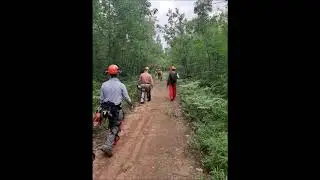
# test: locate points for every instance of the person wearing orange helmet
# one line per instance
(111, 95)
(172, 82)
(146, 84)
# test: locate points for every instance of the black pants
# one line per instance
(149, 95)
(114, 122)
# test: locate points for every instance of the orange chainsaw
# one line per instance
(97, 118)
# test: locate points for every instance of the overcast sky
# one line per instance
(184, 6)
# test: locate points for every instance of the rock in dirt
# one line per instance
(199, 169)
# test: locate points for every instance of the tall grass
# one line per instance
(207, 111)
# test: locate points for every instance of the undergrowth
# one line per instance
(207, 112)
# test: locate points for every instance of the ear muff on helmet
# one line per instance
(113, 70)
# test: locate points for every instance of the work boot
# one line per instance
(106, 150)
(149, 97)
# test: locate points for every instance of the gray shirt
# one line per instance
(114, 91)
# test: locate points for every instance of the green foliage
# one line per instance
(198, 48)
(124, 34)
(208, 113)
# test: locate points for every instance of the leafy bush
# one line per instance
(208, 113)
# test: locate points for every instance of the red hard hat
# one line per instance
(113, 69)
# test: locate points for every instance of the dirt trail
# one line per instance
(153, 144)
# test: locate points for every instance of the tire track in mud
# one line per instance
(141, 147)
(137, 123)
(152, 145)
(140, 139)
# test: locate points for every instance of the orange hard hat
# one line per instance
(113, 69)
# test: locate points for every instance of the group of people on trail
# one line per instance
(113, 92)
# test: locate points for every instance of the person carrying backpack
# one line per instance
(172, 83)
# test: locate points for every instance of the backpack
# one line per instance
(173, 77)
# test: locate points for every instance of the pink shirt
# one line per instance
(146, 78)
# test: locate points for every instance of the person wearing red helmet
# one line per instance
(172, 83)
(111, 95)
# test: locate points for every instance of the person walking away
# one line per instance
(172, 83)
(146, 84)
(111, 94)
(159, 74)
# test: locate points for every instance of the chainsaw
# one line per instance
(99, 116)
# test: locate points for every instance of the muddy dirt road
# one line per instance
(153, 144)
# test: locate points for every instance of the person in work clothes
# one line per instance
(111, 94)
(172, 83)
(146, 84)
